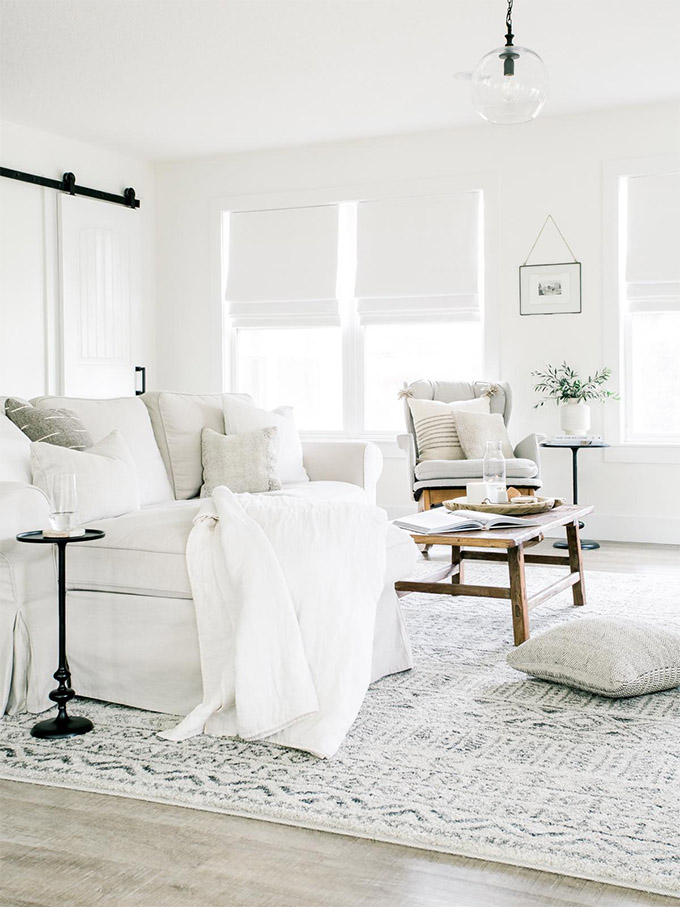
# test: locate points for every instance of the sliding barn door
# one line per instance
(100, 265)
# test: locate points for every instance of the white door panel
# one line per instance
(100, 266)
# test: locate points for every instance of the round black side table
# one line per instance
(63, 725)
(575, 446)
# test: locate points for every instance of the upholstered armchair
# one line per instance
(434, 481)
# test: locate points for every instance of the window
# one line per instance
(649, 306)
(331, 307)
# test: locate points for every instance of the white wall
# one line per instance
(28, 250)
(549, 166)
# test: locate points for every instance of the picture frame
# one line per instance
(552, 289)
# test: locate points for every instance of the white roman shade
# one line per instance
(282, 266)
(653, 242)
(418, 258)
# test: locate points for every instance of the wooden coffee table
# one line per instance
(512, 544)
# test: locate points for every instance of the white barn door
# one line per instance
(100, 270)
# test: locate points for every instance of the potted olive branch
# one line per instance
(563, 384)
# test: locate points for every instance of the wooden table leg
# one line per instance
(518, 595)
(576, 562)
(456, 561)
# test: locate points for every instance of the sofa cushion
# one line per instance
(143, 553)
(129, 416)
(244, 462)
(515, 468)
(326, 490)
(106, 477)
(178, 420)
(241, 416)
(15, 452)
(60, 427)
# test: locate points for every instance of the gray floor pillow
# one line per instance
(613, 658)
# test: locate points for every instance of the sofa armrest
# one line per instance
(22, 508)
(529, 449)
(357, 462)
(28, 617)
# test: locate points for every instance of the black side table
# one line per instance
(575, 446)
(63, 725)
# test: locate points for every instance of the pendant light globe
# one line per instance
(508, 98)
(509, 84)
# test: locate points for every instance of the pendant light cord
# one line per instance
(508, 21)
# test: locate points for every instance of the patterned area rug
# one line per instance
(461, 755)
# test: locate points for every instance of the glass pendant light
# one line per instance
(510, 84)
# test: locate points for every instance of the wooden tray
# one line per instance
(543, 505)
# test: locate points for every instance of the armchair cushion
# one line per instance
(516, 468)
(435, 425)
(475, 429)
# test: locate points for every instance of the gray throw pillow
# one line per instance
(475, 429)
(613, 658)
(54, 426)
(244, 462)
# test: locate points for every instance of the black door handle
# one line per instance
(142, 369)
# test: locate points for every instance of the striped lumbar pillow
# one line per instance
(54, 426)
(436, 432)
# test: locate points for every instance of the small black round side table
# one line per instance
(63, 725)
(575, 446)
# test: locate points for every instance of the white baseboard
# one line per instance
(608, 527)
(613, 527)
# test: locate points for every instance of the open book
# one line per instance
(440, 520)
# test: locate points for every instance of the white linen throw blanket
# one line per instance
(285, 593)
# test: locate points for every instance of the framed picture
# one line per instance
(550, 289)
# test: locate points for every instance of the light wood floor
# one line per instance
(62, 848)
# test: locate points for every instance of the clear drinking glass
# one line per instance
(493, 470)
(64, 503)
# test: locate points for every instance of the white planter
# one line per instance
(575, 417)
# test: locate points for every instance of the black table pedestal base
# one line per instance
(61, 727)
(586, 544)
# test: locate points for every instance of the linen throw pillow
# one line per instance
(612, 658)
(436, 431)
(55, 426)
(475, 429)
(245, 462)
(106, 475)
(241, 416)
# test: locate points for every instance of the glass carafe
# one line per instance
(493, 472)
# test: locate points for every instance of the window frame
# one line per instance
(616, 313)
(352, 336)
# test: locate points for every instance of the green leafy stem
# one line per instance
(562, 383)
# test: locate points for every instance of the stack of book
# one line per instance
(575, 439)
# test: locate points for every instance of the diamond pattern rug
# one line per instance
(462, 755)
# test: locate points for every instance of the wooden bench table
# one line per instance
(512, 544)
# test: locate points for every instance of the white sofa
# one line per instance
(131, 629)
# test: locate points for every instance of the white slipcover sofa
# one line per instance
(131, 628)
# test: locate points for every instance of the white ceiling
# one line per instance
(179, 78)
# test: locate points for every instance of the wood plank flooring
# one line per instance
(61, 848)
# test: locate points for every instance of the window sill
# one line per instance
(643, 453)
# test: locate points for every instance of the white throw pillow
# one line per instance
(475, 429)
(244, 463)
(614, 658)
(106, 475)
(241, 417)
(436, 431)
(130, 417)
